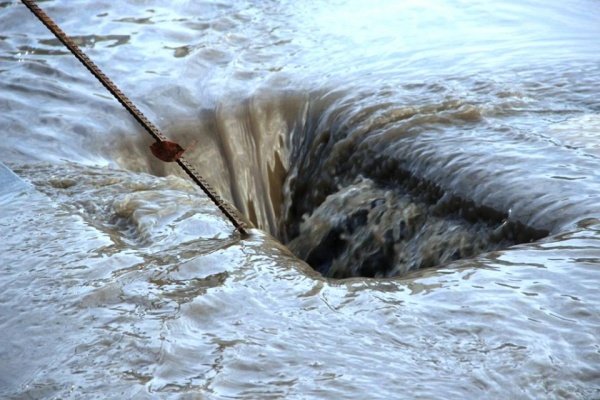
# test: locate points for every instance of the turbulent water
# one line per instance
(442, 157)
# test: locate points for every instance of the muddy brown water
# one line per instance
(441, 157)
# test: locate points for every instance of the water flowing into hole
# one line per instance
(372, 140)
(365, 230)
(339, 185)
(361, 214)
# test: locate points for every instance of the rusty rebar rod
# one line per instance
(225, 208)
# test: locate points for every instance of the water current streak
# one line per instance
(225, 208)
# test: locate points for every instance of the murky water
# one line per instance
(449, 149)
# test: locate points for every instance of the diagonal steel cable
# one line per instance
(225, 208)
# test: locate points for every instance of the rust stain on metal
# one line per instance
(167, 151)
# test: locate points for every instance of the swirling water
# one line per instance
(466, 121)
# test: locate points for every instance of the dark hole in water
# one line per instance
(381, 226)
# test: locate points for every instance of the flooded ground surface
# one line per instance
(450, 150)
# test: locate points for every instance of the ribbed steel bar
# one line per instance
(225, 208)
